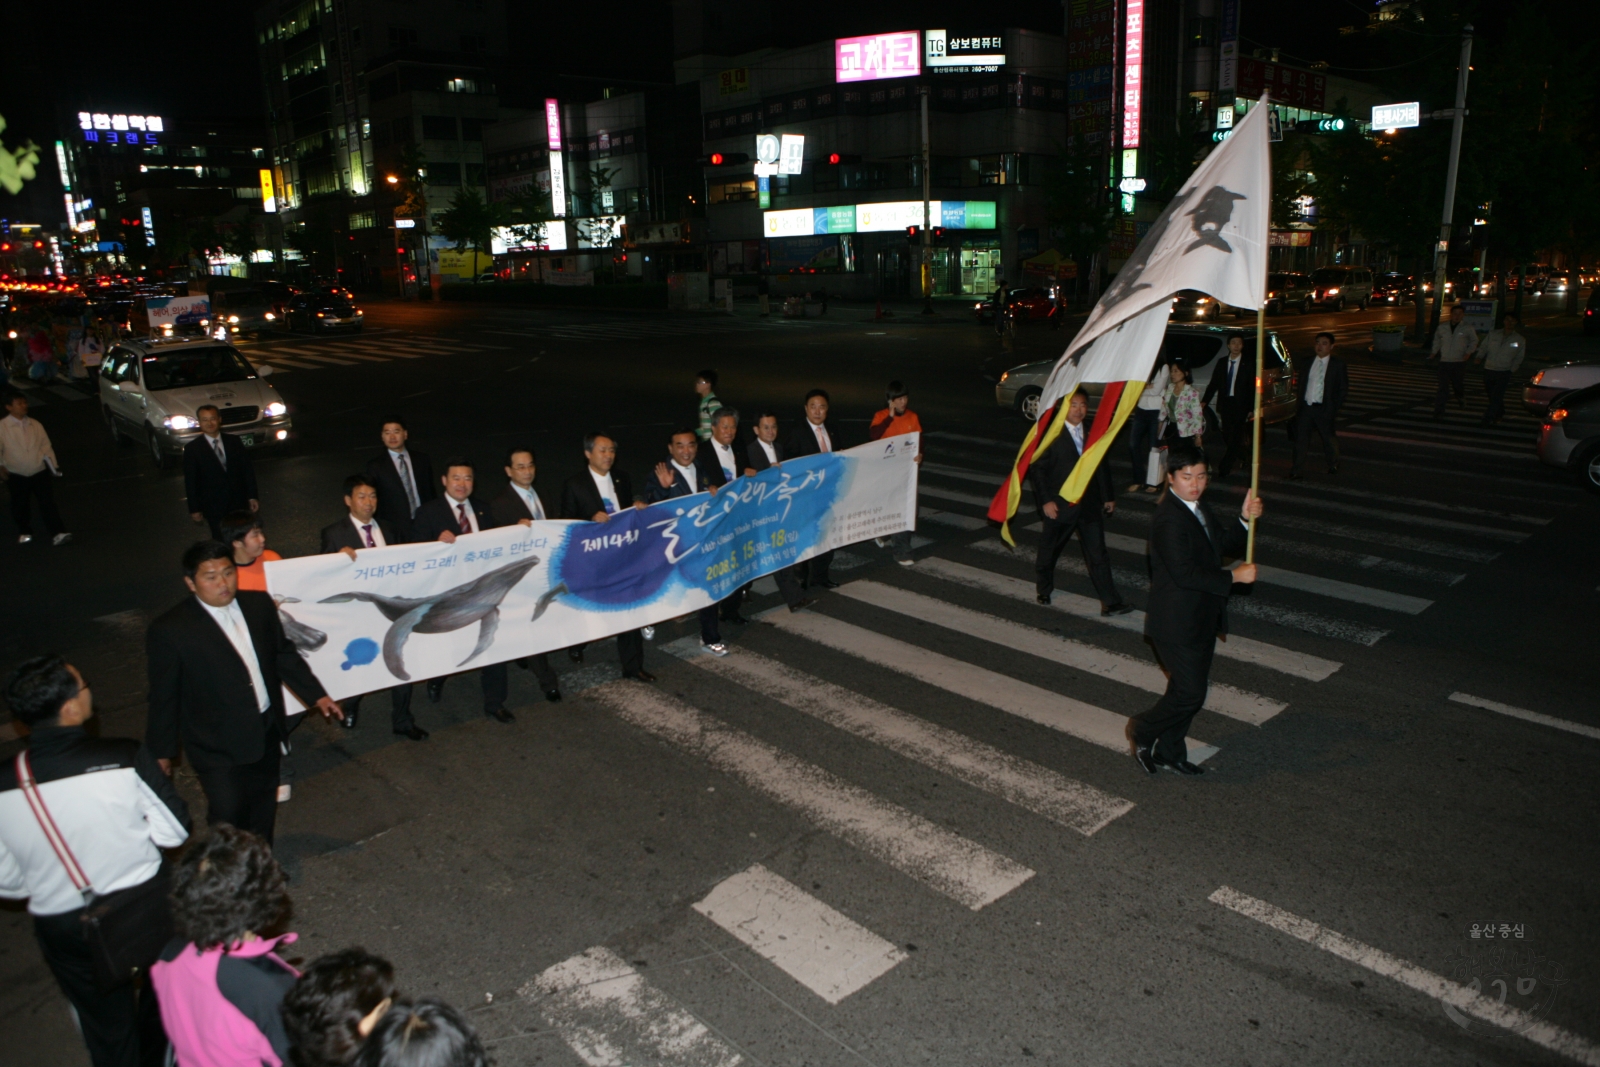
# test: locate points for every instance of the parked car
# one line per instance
(1392, 289)
(150, 392)
(1198, 346)
(317, 312)
(1032, 302)
(1337, 288)
(1286, 291)
(1192, 305)
(1569, 436)
(1554, 383)
(243, 312)
(279, 294)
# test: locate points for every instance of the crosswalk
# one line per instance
(320, 354)
(657, 329)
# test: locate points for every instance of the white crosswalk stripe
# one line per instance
(345, 352)
(656, 328)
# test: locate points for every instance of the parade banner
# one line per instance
(418, 611)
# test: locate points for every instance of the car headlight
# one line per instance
(271, 316)
(276, 408)
(1272, 294)
(1334, 291)
(1558, 415)
(319, 315)
(233, 318)
(1004, 375)
(180, 422)
(1536, 379)
(359, 313)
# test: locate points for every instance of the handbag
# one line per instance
(125, 930)
(1155, 471)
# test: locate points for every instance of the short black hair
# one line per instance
(724, 413)
(202, 552)
(896, 390)
(38, 687)
(227, 885)
(680, 431)
(710, 377)
(823, 393)
(1511, 315)
(429, 1033)
(1235, 335)
(1332, 340)
(236, 525)
(207, 407)
(356, 481)
(397, 420)
(1184, 455)
(594, 435)
(766, 413)
(514, 449)
(322, 1012)
(458, 461)
(11, 396)
(1182, 365)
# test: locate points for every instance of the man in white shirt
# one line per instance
(764, 451)
(595, 495)
(1454, 343)
(717, 456)
(814, 436)
(519, 503)
(403, 476)
(28, 465)
(680, 476)
(1324, 382)
(1143, 424)
(1501, 353)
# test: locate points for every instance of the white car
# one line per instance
(1543, 388)
(151, 392)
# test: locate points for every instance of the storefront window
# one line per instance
(980, 270)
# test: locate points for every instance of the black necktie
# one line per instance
(1204, 525)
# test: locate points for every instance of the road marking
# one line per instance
(1080, 655)
(822, 949)
(1034, 788)
(952, 496)
(950, 518)
(964, 473)
(1073, 717)
(944, 435)
(611, 1017)
(950, 864)
(279, 361)
(1243, 649)
(1339, 490)
(1435, 444)
(328, 359)
(1450, 994)
(1526, 715)
(1494, 532)
(362, 356)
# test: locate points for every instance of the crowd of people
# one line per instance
(42, 343)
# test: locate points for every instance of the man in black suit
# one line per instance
(812, 437)
(444, 518)
(1233, 388)
(1324, 383)
(1047, 474)
(404, 479)
(218, 662)
(594, 495)
(1188, 605)
(764, 452)
(519, 503)
(361, 528)
(218, 475)
(719, 463)
(685, 475)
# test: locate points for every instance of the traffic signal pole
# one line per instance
(927, 220)
(1441, 255)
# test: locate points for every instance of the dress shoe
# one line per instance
(1043, 598)
(552, 695)
(1177, 766)
(436, 689)
(1145, 758)
(416, 733)
(735, 618)
(500, 714)
(1116, 609)
(801, 604)
(639, 675)
(575, 654)
(825, 583)
(349, 720)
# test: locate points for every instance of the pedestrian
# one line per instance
(1324, 382)
(41, 357)
(218, 474)
(111, 811)
(813, 437)
(220, 981)
(999, 302)
(1047, 475)
(718, 463)
(242, 531)
(1144, 428)
(705, 386)
(403, 477)
(359, 529)
(822, 298)
(519, 503)
(429, 1033)
(595, 495)
(764, 452)
(89, 354)
(1501, 353)
(1182, 418)
(679, 476)
(334, 1005)
(29, 467)
(897, 420)
(218, 661)
(1188, 605)
(458, 513)
(1232, 389)
(1453, 345)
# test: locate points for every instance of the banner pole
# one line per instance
(1255, 427)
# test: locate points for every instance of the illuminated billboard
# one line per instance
(879, 55)
(1396, 116)
(1132, 73)
(877, 218)
(269, 199)
(111, 128)
(960, 52)
(552, 124)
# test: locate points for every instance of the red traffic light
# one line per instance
(833, 158)
(6, 247)
(38, 244)
(938, 232)
(912, 231)
(716, 159)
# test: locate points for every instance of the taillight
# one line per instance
(1558, 415)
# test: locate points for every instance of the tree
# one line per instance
(470, 221)
(17, 165)
(528, 214)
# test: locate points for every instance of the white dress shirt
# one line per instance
(531, 499)
(608, 491)
(25, 448)
(1315, 379)
(362, 529)
(457, 507)
(690, 475)
(823, 442)
(237, 631)
(772, 453)
(408, 476)
(1233, 372)
(1077, 435)
(725, 459)
(217, 448)
(1194, 507)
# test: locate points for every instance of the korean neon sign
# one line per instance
(880, 55)
(1132, 73)
(120, 129)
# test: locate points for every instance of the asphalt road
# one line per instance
(893, 831)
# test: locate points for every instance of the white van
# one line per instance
(151, 391)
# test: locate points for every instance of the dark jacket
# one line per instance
(1188, 585)
(709, 465)
(200, 690)
(508, 508)
(343, 534)
(439, 515)
(1244, 384)
(212, 491)
(1049, 472)
(393, 504)
(655, 492)
(580, 499)
(756, 456)
(1335, 384)
(802, 440)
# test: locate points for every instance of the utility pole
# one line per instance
(927, 219)
(1441, 255)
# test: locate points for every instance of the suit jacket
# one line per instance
(1335, 383)
(200, 691)
(393, 504)
(212, 491)
(509, 508)
(580, 499)
(1244, 384)
(343, 534)
(709, 465)
(756, 456)
(439, 515)
(708, 474)
(802, 440)
(1188, 585)
(1049, 472)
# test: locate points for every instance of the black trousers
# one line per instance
(1235, 439)
(1165, 726)
(496, 686)
(1092, 539)
(25, 490)
(121, 1028)
(1452, 379)
(1494, 384)
(1318, 418)
(245, 796)
(399, 706)
(543, 673)
(814, 571)
(710, 633)
(630, 651)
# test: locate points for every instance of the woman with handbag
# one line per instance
(1185, 421)
(83, 821)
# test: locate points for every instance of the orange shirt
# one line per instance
(886, 424)
(254, 575)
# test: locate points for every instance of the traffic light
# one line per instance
(1320, 125)
(938, 233)
(912, 231)
(836, 158)
(725, 159)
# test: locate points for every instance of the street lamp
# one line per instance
(392, 180)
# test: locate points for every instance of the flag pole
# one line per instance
(1255, 429)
